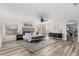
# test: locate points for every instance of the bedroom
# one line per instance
(37, 28)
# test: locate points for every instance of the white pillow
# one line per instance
(27, 36)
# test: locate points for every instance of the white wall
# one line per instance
(19, 22)
(78, 32)
(0, 33)
(0, 38)
(57, 27)
(5, 21)
(0, 41)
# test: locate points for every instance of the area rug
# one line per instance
(33, 47)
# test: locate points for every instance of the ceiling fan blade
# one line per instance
(75, 4)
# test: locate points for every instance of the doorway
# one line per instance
(72, 30)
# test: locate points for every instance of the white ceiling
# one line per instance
(31, 11)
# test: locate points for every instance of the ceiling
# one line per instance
(32, 11)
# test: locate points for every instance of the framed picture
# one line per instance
(11, 29)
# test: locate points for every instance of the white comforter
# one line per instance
(28, 36)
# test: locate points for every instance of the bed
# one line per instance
(32, 38)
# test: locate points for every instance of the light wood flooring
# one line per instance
(58, 48)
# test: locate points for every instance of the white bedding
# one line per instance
(28, 36)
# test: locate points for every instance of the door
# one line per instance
(72, 31)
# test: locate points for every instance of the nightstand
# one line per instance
(19, 37)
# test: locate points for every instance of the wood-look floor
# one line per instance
(58, 48)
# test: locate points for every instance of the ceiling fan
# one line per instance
(42, 19)
(43, 16)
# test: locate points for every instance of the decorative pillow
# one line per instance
(27, 37)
